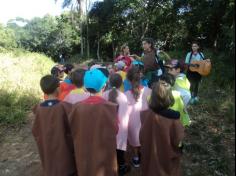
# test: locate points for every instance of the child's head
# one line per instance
(115, 82)
(49, 85)
(68, 68)
(134, 76)
(95, 80)
(169, 78)
(161, 97)
(140, 66)
(58, 72)
(174, 67)
(120, 65)
(195, 46)
(77, 77)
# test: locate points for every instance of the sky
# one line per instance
(10, 9)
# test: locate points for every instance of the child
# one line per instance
(120, 69)
(93, 124)
(178, 104)
(143, 80)
(137, 99)
(161, 134)
(78, 94)
(68, 69)
(116, 96)
(182, 83)
(194, 77)
(58, 72)
(51, 130)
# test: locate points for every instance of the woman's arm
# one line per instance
(136, 57)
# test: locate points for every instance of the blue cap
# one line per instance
(95, 79)
(136, 62)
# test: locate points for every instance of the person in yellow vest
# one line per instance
(179, 103)
(182, 84)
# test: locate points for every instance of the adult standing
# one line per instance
(194, 77)
(153, 66)
(125, 56)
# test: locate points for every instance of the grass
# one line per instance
(19, 83)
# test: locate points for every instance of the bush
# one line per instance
(19, 83)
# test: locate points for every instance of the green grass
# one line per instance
(19, 83)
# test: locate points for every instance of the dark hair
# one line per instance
(49, 84)
(195, 42)
(133, 76)
(68, 68)
(55, 71)
(149, 41)
(115, 82)
(161, 97)
(77, 77)
(169, 78)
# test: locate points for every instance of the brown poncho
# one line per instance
(53, 138)
(160, 137)
(149, 61)
(93, 125)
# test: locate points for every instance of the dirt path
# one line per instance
(209, 149)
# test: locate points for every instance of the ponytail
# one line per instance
(134, 77)
(112, 97)
(115, 82)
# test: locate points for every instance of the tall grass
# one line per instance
(20, 73)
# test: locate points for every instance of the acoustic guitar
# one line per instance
(203, 67)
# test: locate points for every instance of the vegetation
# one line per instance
(19, 83)
(100, 31)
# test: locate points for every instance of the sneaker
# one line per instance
(124, 169)
(136, 162)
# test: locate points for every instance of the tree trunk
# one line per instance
(87, 30)
(98, 48)
(82, 11)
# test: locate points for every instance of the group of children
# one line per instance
(88, 120)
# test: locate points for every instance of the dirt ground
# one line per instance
(209, 150)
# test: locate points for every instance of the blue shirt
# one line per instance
(195, 57)
(128, 86)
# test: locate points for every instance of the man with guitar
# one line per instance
(198, 66)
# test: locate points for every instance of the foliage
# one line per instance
(8, 39)
(19, 83)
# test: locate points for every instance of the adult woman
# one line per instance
(125, 56)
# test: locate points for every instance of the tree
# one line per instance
(8, 39)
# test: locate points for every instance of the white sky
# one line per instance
(10, 9)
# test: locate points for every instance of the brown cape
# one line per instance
(160, 137)
(53, 138)
(149, 61)
(93, 127)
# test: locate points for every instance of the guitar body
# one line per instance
(203, 67)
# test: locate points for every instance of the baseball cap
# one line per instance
(95, 79)
(136, 62)
(173, 63)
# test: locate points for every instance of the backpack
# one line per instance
(192, 55)
(159, 62)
